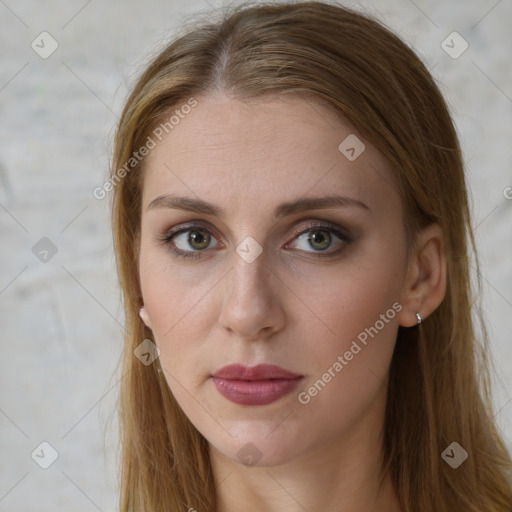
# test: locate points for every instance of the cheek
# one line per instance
(164, 299)
(348, 369)
(171, 294)
(352, 296)
(178, 306)
(356, 313)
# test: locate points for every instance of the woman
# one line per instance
(292, 235)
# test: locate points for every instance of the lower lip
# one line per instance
(255, 392)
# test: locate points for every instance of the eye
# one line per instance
(197, 237)
(318, 236)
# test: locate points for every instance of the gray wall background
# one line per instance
(61, 321)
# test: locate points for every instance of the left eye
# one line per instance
(320, 238)
(317, 236)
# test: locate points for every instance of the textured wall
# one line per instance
(61, 321)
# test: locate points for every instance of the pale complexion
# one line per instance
(287, 307)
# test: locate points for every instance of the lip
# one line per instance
(254, 385)
(258, 372)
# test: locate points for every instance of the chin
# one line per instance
(258, 450)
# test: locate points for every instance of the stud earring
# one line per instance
(418, 316)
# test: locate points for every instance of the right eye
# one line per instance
(197, 237)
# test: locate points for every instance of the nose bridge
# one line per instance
(250, 267)
(250, 304)
(249, 259)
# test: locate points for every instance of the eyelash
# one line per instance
(317, 226)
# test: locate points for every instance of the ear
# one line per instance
(145, 317)
(425, 284)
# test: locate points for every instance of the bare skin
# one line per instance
(300, 304)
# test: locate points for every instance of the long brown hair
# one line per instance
(439, 382)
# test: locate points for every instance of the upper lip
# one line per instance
(258, 372)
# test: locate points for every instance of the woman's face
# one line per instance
(256, 290)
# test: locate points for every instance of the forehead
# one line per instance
(253, 155)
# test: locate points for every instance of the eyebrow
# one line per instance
(190, 204)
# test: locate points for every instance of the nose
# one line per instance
(252, 307)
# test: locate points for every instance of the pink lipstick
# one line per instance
(254, 385)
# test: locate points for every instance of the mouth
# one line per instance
(257, 385)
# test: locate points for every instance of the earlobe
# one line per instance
(425, 285)
(145, 317)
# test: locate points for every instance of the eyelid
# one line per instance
(324, 224)
(187, 226)
(305, 226)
